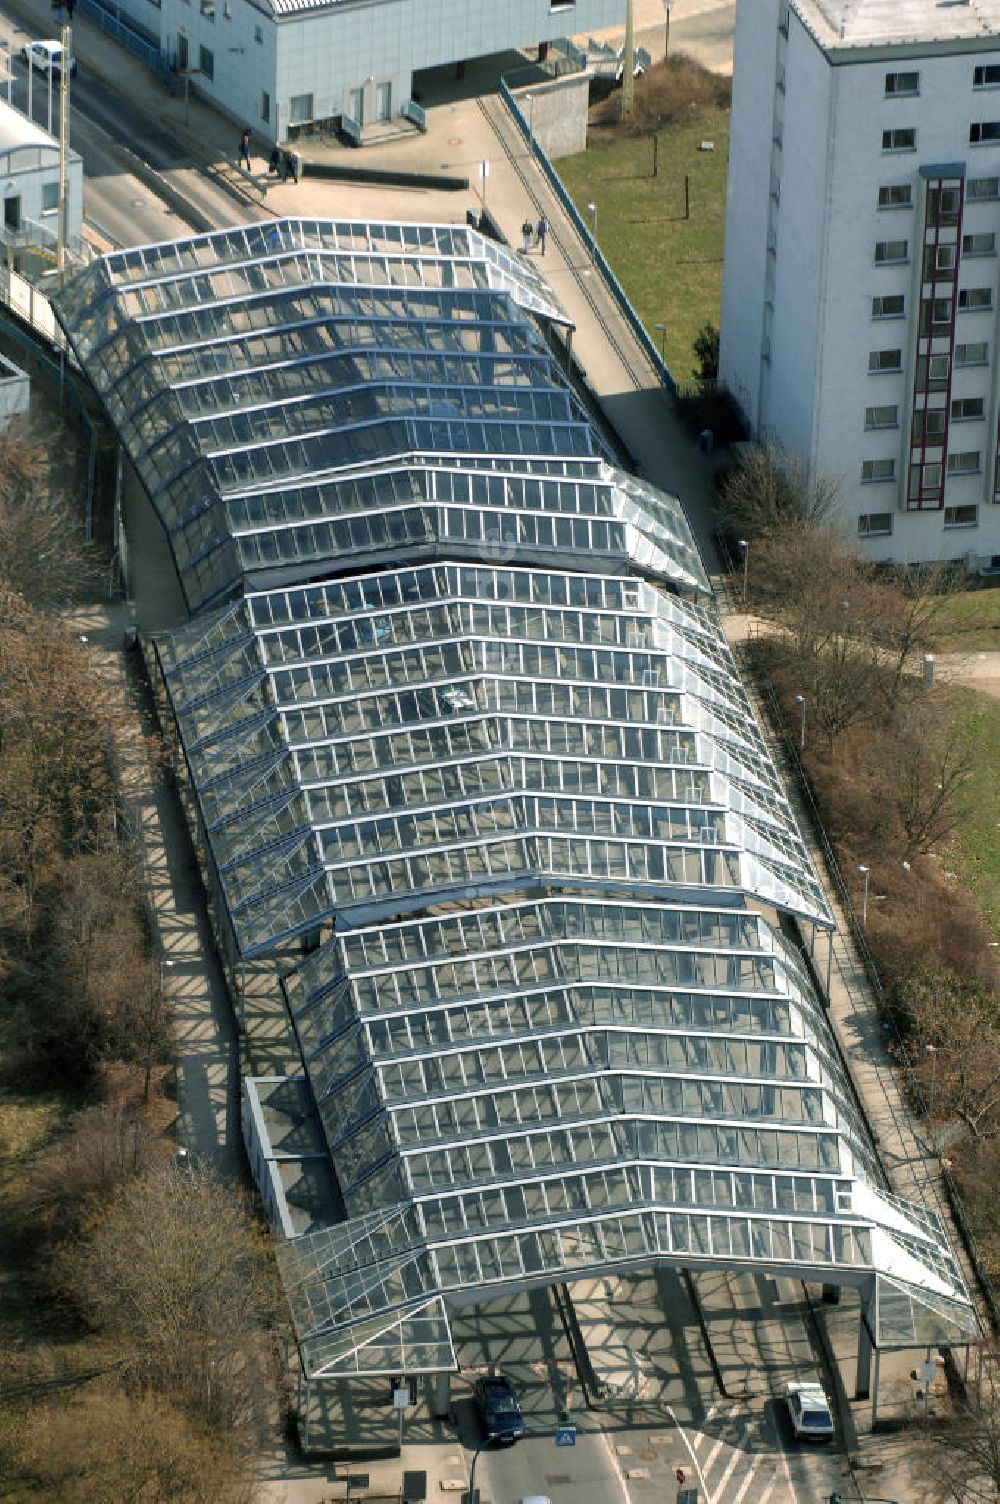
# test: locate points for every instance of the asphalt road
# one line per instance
(102, 123)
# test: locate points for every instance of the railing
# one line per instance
(125, 31)
(611, 281)
(886, 1017)
(351, 129)
(412, 111)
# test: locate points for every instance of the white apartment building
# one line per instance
(860, 299)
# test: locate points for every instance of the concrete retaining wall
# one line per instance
(557, 111)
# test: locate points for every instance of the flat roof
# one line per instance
(17, 130)
(872, 23)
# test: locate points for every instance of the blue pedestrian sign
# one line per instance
(566, 1436)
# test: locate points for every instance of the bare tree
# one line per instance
(43, 555)
(769, 488)
(959, 1461)
(933, 762)
(176, 1272)
(104, 1447)
(956, 1048)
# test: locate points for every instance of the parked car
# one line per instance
(47, 57)
(498, 1408)
(809, 1411)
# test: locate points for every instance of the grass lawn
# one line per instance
(969, 621)
(976, 842)
(670, 267)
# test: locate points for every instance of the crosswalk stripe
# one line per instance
(738, 1452)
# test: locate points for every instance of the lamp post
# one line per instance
(472, 1475)
(745, 546)
(800, 701)
(529, 100)
(931, 1050)
(592, 210)
(865, 873)
(661, 330)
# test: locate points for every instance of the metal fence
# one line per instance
(124, 31)
(890, 1029)
(610, 280)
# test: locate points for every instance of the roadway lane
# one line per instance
(102, 122)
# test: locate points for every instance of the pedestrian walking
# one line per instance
(526, 234)
(245, 141)
(542, 230)
(293, 165)
(274, 161)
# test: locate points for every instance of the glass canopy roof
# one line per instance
(460, 717)
(294, 395)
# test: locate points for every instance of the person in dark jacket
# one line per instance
(245, 141)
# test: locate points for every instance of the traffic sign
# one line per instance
(566, 1436)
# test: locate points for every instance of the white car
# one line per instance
(809, 1411)
(47, 57)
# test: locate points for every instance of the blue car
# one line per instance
(498, 1409)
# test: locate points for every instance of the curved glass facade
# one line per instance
(460, 718)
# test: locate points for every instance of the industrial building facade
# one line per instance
(860, 302)
(469, 762)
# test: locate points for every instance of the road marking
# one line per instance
(616, 1469)
(738, 1452)
(709, 1496)
(746, 1482)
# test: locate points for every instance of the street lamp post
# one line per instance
(800, 701)
(745, 546)
(472, 1475)
(529, 100)
(661, 330)
(592, 210)
(931, 1050)
(865, 873)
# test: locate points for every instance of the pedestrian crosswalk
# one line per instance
(731, 1459)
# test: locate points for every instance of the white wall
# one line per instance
(747, 202)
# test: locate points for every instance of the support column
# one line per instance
(569, 352)
(829, 964)
(442, 1395)
(878, 1362)
(862, 1383)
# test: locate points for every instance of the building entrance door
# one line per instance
(357, 106)
(383, 101)
(12, 212)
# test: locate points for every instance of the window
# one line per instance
(931, 482)
(874, 524)
(877, 470)
(928, 425)
(902, 83)
(895, 196)
(977, 354)
(208, 9)
(300, 108)
(882, 417)
(936, 312)
(227, 10)
(986, 76)
(983, 244)
(938, 258)
(890, 251)
(973, 298)
(892, 306)
(982, 188)
(885, 360)
(965, 408)
(961, 516)
(932, 373)
(206, 62)
(966, 462)
(258, 36)
(558, 5)
(903, 139)
(265, 106)
(50, 197)
(981, 131)
(942, 206)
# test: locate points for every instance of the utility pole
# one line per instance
(66, 38)
(628, 65)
